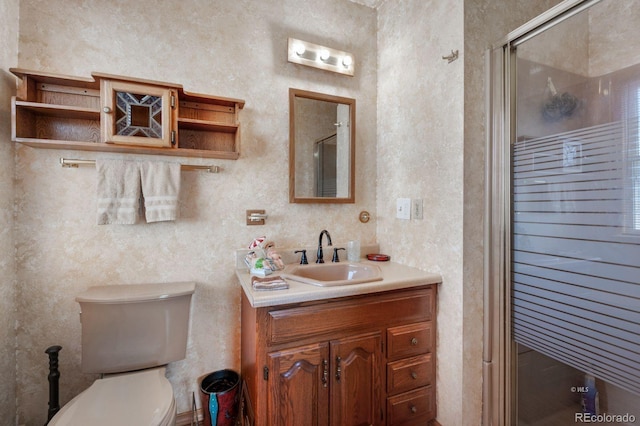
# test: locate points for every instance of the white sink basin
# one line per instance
(333, 274)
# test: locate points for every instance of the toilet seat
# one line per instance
(140, 398)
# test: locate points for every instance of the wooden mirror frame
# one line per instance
(298, 93)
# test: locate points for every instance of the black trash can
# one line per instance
(220, 397)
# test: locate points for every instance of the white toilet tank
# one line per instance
(134, 326)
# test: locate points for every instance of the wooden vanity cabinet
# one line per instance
(361, 360)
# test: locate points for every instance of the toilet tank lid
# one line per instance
(135, 292)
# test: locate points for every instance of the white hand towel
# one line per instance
(118, 192)
(160, 189)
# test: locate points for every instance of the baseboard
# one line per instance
(187, 418)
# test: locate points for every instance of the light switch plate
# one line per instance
(403, 208)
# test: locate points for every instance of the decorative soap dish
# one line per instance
(379, 257)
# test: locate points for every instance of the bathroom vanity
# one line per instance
(345, 355)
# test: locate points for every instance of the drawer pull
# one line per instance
(414, 375)
(325, 373)
(413, 409)
(414, 341)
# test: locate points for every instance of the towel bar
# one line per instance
(68, 162)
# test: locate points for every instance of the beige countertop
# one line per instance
(395, 277)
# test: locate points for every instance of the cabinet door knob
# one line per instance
(414, 341)
(106, 110)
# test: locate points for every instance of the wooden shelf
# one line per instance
(203, 125)
(208, 99)
(107, 147)
(59, 110)
(53, 111)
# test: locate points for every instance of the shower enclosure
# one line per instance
(563, 239)
(324, 155)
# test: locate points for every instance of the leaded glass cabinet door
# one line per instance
(138, 114)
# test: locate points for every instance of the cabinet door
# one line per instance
(299, 386)
(137, 114)
(356, 384)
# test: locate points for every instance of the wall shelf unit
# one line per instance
(65, 112)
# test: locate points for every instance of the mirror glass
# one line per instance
(322, 133)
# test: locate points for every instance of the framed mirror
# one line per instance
(322, 135)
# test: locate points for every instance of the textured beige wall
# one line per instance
(229, 48)
(420, 147)
(575, 33)
(613, 50)
(431, 136)
(8, 57)
(485, 23)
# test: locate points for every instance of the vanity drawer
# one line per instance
(409, 373)
(295, 324)
(411, 408)
(409, 340)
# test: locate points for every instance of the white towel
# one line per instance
(160, 189)
(118, 192)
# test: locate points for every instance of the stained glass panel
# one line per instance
(138, 115)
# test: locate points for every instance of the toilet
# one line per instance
(129, 334)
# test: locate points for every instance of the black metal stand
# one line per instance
(54, 377)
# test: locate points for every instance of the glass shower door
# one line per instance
(575, 223)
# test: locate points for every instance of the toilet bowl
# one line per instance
(140, 398)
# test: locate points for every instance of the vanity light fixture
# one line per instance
(325, 58)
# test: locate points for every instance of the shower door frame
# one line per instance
(499, 352)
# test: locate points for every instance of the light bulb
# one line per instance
(347, 61)
(324, 54)
(299, 49)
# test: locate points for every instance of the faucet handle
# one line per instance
(303, 258)
(335, 254)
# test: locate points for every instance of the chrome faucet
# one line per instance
(320, 255)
